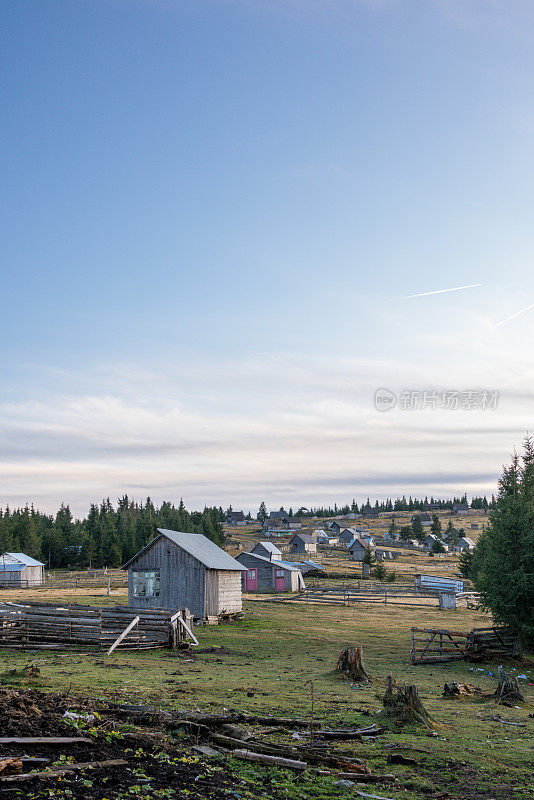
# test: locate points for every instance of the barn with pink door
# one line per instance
(268, 573)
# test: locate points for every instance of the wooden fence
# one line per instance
(437, 645)
(61, 626)
(350, 596)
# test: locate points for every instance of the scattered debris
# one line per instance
(28, 672)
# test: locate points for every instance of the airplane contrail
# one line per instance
(440, 291)
(513, 316)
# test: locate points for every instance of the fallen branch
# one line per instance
(285, 751)
(46, 740)
(272, 761)
(55, 772)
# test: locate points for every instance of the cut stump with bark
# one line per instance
(351, 662)
(507, 692)
(403, 704)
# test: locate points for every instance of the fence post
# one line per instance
(109, 581)
(76, 581)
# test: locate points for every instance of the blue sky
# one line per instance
(210, 212)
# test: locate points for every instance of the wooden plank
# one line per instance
(45, 740)
(188, 629)
(123, 635)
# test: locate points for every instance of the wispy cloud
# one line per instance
(285, 429)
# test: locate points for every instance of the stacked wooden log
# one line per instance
(57, 626)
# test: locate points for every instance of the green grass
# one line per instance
(278, 648)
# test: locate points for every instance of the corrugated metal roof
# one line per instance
(304, 537)
(197, 545)
(272, 548)
(22, 558)
(275, 564)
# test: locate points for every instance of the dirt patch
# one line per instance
(34, 713)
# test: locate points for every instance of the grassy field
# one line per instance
(268, 659)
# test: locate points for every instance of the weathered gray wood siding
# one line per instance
(266, 574)
(182, 578)
(303, 547)
(34, 575)
(357, 552)
(264, 571)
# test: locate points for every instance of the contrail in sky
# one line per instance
(441, 291)
(513, 316)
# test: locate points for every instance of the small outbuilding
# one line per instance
(185, 570)
(465, 543)
(263, 575)
(346, 535)
(425, 518)
(302, 543)
(21, 571)
(357, 549)
(267, 550)
(460, 508)
(236, 518)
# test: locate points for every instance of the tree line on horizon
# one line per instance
(400, 504)
(108, 536)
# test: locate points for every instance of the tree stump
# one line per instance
(351, 662)
(403, 704)
(507, 691)
(454, 689)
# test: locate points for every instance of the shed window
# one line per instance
(279, 573)
(145, 583)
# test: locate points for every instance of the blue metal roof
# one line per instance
(11, 567)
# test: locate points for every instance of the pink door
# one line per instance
(251, 580)
(279, 579)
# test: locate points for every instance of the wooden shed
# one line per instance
(266, 575)
(357, 549)
(20, 570)
(267, 550)
(302, 543)
(185, 570)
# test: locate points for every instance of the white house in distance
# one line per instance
(21, 570)
(465, 543)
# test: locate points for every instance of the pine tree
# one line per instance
(417, 528)
(502, 566)
(262, 513)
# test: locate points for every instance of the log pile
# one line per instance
(60, 626)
